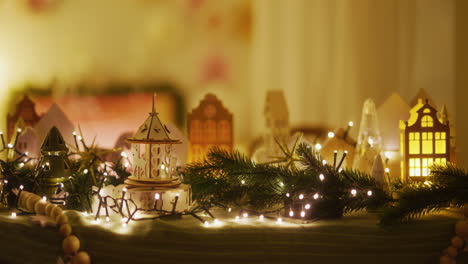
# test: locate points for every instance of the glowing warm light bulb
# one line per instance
(324, 162)
(316, 196)
(350, 123)
(74, 133)
(126, 165)
(207, 224)
(340, 169)
(318, 147)
(162, 166)
(353, 192)
(85, 171)
(345, 152)
(80, 138)
(19, 130)
(157, 196)
(125, 219)
(229, 209)
(331, 134)
(124, 189)
(245, 215)
(107, 219)
(287, 194)
(21, 187)
(301, 196)
(281, 184)
(216, 221)
(123, 154)
(370, 141)
(302, 213)
(261, 217)
(307, 206)
(369, 193)
(387, 170)
(322, 177)
(124, 224)
(13, 215)
(85, 213)
(177, 194)
(237, 218)
(21, 165)
(291, 213)
(10, 145)
(279, 220)
(242, 182)
(26, 153)
(44, 199)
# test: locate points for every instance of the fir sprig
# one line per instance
(447, 185)
(230, 179)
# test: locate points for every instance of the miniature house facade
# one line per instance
(151, 150)
(425, 140)
(209, 125)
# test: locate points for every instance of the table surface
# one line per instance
(356, 238)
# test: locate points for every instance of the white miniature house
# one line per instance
(151, 150)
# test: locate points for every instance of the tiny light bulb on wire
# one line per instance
(216, 221)
(85, 171)
(261, 217)
(242, 182)
(324, 162)
(207, 224)
(302, 213)
(318, 147)
(301, 196)
(331, 134)
(387, 170)
(21, 165)
(10, 145)
(19, 130)
(279, 220)
(307, 206)
(291, 213)
(350, 123)
(74, 133)
(125, 219)
(124, 189)
(157, 196)
(245, 215)
(353, 192)
(107, 219)
(21, 187)
(13, 215)
(369, 193)
(229, 209)
(322, 177)
(44, 199)
(287, 194)
(316, 196)
(237, 218)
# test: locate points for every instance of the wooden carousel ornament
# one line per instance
(154, 166)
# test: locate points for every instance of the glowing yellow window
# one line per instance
(414, 143)
(441, 161)
(440, 143)
(414, 167)
(426, 165)
(427, 121)
(427, 142)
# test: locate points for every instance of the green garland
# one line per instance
(232, 180)
(448, 187)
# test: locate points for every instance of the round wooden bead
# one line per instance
(452, 251)
(23, 201)
(56, 212)
(461, 229)
(70, 245)
(81, 258)
(61, 219)
(49, 208)
(39, 207)
(457, 242)
(65, 230)
(446, 260)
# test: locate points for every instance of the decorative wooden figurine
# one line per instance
(209, 124)
(425, 140)
(53, 167)
(25, 110)
(154, 161)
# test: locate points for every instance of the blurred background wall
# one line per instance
(327, 55)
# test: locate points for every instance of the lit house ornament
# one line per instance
(425, 140)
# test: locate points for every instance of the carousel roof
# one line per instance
(153, 131)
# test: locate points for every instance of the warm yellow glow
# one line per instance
(426, 165)
(440, 143)
(427, 143)
(427, 121)
(414, 143)
(331, 134)
(414, 167)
